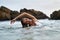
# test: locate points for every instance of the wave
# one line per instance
(43, 24)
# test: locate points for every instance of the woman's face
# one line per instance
(27, 20)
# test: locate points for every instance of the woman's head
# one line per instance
(25, 22)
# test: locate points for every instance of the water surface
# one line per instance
(47, 30)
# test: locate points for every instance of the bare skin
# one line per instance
(31, 22)
(28, 21)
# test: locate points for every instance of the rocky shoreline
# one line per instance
(7, 14)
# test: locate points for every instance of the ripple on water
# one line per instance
(49, 30)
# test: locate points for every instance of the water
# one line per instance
(48, 30)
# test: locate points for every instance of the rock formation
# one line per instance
(7, 14)
(37, 14)
(55, 15)
(4, 13)
(14, 14)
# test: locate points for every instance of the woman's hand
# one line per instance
(13, 21)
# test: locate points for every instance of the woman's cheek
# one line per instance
(27, 22)
(30, 23)
(24, 21)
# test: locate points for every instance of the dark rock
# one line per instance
(4, 13)
(55, 15)
(7, 14)
(14, 14)
(37, 14)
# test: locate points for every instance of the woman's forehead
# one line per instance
(25, 18)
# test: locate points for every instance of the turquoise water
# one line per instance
(47, 30)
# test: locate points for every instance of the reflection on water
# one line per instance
(49, 30)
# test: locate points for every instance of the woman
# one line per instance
(30, 21)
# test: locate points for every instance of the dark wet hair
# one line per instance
(24, 25)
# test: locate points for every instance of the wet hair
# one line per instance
(24, 25)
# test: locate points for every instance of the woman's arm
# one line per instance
(31, 16)
(23, 15)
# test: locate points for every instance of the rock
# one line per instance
(4, 13)
(7, 14)
(55, 15)
(14, 14)
(37, 14)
